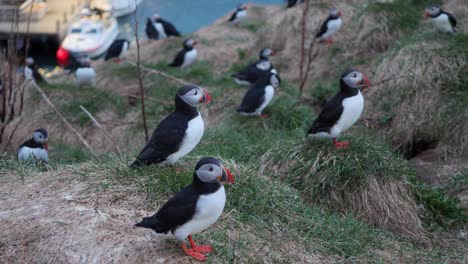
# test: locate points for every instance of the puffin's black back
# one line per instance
(181, 207)
(115, 49)
(169, 28)
(251, 73)
(151, 32)
(333, 108)
(168, 136)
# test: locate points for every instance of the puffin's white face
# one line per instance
(274, 80)
(264, 65)
(212, 173)
(356, 79)
(334, 12)
(196, 96)
(432, 11)
(266, 53)
(156, 16)
(39, 137)
(189, 43)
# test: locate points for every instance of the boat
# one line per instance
(90, 36)
(123, 7)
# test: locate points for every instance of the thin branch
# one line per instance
(140, 78)
(102, 128)
(80, 137)
(306, 73)
(12, 133)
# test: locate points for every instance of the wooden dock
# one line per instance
(48, 19)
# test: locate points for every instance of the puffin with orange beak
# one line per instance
(179, 133)
(331, 25)
(442, 21)
(36, 148)
(186, 56)
(194, 208)
(343, 110)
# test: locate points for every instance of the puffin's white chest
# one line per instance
(33, 154)
(124, 48)
(332, 27)
(192, 137)
(240, 16)
(160, 29)
(442, 23)
(189, 58)
(28, 73)
(269, 93)
(85, 76)
(352, 110)
(209, 209)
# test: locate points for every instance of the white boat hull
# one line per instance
(124, 7)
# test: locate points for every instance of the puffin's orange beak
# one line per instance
(426, 14)
(206, 98)
(365, 82)
(46, 145)
(230, 178)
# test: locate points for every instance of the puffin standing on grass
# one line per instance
(259, 95)
(186, 56)
(150, 29)
(194, 208)
(251, 73)
(179, 132)
(239, 15)
(117, 49)
(36, 148)
(31, 71)
(331, 25)
(442, 21)
(343, 110)
(164, 28)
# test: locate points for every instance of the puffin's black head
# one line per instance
(355, 79)
(211, 170)
(241, 7)
(193, 95)
(334, 12)
(432, 11)
(189, 43)
(266, 53)
(41, 137)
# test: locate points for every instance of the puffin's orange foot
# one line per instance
(339, 145)
(200, 248)
(179, 170)
(329, 42)
(193, 253)
(264, 115)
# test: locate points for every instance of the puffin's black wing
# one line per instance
(233, 16)
(179, 59)
(115, 49)
(151, 32)
(169, 28)
(323, 28)
(452, 19)
(175, 212)
(329, 115)
(292, 3)
(165, 140)
(30, 143)
(251, 73)
(252, 99)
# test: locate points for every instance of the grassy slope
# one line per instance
(262, 212)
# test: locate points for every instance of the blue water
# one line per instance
(186, 15)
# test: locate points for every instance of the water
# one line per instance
(186, 15)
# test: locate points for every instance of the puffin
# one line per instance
(31, 71)
(178, 133)
(292, 3)
(239, 15)
(85, 74)
(259, 95)
(442, 21)
(186, 56)
(343, 110)
(194, 208)
(331, 25)
(164, 28)
(150, 29)
(36, 148)
(117, 49)
(251, 73)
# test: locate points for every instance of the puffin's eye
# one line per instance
(210, 169)
(355, 75)
(196, 92)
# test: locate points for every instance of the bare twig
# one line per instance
(306, 73)
(12, 133)
(140, 78)
(80, 137)
(95, 122)
(177, 80)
